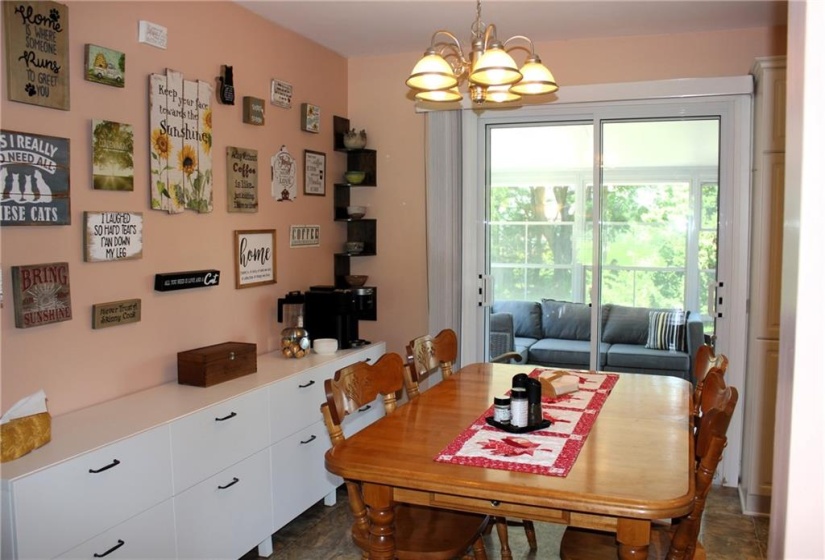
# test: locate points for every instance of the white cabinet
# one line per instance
(767, 216)
(148, 536)
(60, 507)
(180, 471)
(228, 514)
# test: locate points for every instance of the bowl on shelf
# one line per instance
(354, 247)
(356, 212)
(356, 280)
(355, 177)
(325, 345)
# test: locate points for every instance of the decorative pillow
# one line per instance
(627, 325)
(565, 320)
(667, 331)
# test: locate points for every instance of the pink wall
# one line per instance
(78, 366)
(378, 102)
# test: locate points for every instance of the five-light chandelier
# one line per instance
(490, 72)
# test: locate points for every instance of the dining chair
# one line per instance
(426, 355)
(675, 541)
(421, 533)
(703, 362)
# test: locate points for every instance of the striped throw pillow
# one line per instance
(667, 331)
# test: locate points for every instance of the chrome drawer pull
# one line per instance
(233, 415)
(495, 503)
(311, 382)
(308, 441)
(235, 480)
(365, 407)
(111, 550)
(107, 467)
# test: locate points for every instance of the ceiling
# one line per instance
(375, 27)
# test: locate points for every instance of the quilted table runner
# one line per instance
(550, 451)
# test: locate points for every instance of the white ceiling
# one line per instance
(373, 27)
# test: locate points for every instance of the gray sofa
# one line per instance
(557, 334)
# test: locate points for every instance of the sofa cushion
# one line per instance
(565, 353)
(526, 316)
(632, 356)
(626, 325)
(666, 330)
(565, 320)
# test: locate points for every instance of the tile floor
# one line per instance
(322, 533)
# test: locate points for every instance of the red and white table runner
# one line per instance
(550, 451)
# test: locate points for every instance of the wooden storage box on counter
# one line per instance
(207, 366)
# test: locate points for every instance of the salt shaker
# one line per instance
(518, 407)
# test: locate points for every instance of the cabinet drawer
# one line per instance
(210, 440)
(228, 514)
(80, 498)
(299, 476)
(150, 535)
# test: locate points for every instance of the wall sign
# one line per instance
(169, 281)
(310, 118)
(37, 53)
(112, 156)
(241, 179)
(304, 236)
(34, 179)
(115, 313)
(280, 94)
(254, 258)
(253, 111)
(105, 66)
(41, 294)
(112, 236)
(282, 167)
(315, 164)
(180, 120)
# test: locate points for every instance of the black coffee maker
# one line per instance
(331, 312)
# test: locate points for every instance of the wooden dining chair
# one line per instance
(676, 541)
(426, 355)
(705, 360)
(421, 533)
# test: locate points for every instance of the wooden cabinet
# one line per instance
(180, 471)
(767, 215)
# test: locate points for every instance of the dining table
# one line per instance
(635, 465)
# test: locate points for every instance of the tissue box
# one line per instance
(214, 364)
(23, 435)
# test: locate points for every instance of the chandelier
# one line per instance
(492, 75)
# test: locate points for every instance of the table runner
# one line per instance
(551, 451)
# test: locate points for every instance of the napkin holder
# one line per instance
(23, 435)
(556, 384)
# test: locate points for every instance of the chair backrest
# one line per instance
(359, 384)
(711, 440)
(704, 361)
(426, 355)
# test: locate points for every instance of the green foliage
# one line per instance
(112, 145)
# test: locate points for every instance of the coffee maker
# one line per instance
(331, 312)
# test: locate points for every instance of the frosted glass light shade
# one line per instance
(501, 94)
(537, 79)
(439, 96)
(495, 67)
(432, 72)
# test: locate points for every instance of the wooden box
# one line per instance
(207, 366)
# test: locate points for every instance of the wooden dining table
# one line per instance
(635, 466)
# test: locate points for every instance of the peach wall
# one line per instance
(378, 102)
(78, 366)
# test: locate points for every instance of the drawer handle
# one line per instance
(310, 440)
(235, 480)
(365, 408)
(495, 503)
(106, 468)
(232, 415)
(311, 382)
(111, 550)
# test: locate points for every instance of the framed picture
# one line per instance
(105, 66)
(315, 173)
(310, 118)
(254, 257)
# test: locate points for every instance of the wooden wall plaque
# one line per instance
(114, 313)
(41, 294)
(241, 179)
(37, 53)
(112, 236)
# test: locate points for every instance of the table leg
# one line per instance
(634, 538)
(380, 506)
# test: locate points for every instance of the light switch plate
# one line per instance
(152, 34)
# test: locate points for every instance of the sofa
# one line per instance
(634, 339)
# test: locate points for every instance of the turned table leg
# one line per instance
(634, 538)
(382, 521)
